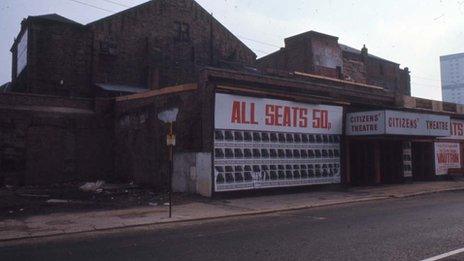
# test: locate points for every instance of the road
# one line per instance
(397, 229)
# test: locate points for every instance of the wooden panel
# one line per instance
(163, 91)
(302, 98)
(338, 80)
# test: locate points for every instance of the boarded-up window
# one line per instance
(182, 31)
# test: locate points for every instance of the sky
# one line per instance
(413, 33)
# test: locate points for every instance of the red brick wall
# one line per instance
(354, 71)
(310, 53)
(320, 54)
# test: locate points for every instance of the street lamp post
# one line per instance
(169, 117)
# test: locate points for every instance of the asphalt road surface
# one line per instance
(398, 229)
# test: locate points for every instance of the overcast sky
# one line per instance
(413, 33)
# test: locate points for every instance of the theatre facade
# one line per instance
(391, 146)
(265, 132)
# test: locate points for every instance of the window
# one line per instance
(381, 72)
(182, 31)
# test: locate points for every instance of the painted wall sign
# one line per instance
(397, 123)
(416, 124)
(267, 143)
(365, 123)
(248, 113)
(447, 156)
(21, 58)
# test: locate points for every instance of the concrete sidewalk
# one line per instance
(69, 223)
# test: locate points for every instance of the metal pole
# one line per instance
(171, 169)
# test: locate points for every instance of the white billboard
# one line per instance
(249, 113)
(21, 58)
(447, 156)
(397, 123)
(265, 143)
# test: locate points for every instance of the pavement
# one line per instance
(412, 228)
(57, 224)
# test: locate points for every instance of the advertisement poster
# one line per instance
(447, 156)
(248, 113)
(265, 143)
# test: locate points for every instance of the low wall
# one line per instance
(45, 140)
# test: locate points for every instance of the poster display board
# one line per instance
(447, 156)
(264, 143)
(407, 159)
(397, 123)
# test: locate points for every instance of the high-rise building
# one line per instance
(452, 77)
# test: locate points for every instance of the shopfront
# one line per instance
(388, 146)
(267, 143)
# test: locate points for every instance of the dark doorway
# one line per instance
(391, 161)
(362, 163)
(423, 161)
(376, 162)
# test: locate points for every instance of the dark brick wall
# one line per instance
(297, 54)
(58, 59)
(161, 43)
(43, 143)
(157, 44)
(140, 152)
(376, 71)
(320, 54)
(274, 61)
(309, 52)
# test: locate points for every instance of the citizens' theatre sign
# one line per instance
(263, 143)
(397, 123)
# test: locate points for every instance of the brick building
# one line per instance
(239, 128)
(51, 55)
(320, 54)
(156, 44)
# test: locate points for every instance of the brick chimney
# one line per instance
(364, 50)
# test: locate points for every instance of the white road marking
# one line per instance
(445, 255)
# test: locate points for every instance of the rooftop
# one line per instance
(54, 18)
(350, 49)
